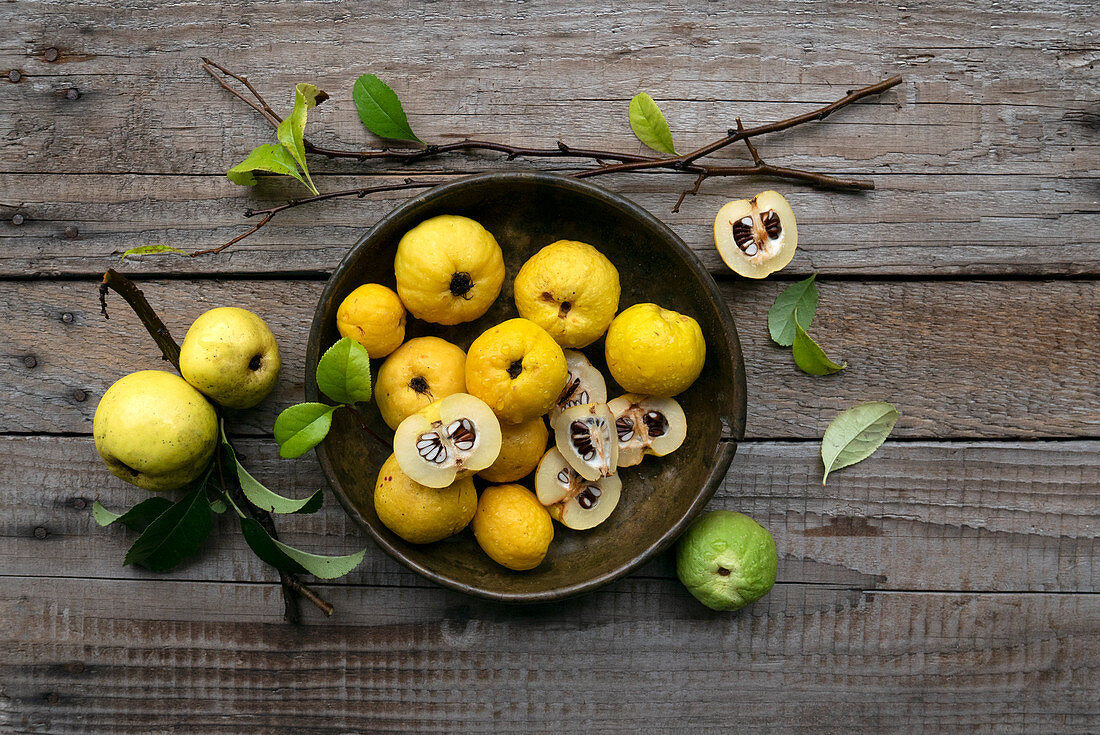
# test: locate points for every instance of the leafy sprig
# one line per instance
(288, 156)
(789, 318)
(343, 374)
(855, 434)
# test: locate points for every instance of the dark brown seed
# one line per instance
(655, 424)
(582, 440)
(463, 434)
(563, 476)
(431, 448)
(624, 427)
(772, 225)
(742, 232)
(589, 497)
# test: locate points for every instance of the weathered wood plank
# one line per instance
(960, 359)
(911, 225)
(556, 70)
(159, 657)
(918, 516)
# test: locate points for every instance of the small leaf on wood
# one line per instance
(291, 131)
(343, 372)
(301, 427)
(649, 124)
(809, 356)
(380, 109)
(288, 559)
(855, 434)
(267, 157)
(174, 535)
(151, 250)
(137, 518)
(799, 298)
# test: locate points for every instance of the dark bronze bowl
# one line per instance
(526, 211)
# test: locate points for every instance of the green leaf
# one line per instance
(380, 109)
(302, 427)
(855, 434)
(218, 506)
(291, 131)
(267, 157)
(151, 250)
(137, 518)
(809, 356)
(343, 372)
(648, 123)
(261, 497)
(799, 298)
(174, 535)
(288, 559)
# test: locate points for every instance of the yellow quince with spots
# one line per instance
(571, 290)
(517, 368)
(449, 270)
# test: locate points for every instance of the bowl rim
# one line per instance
(727, 445)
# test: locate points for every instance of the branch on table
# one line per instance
(292, 586)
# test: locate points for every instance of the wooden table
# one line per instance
(950, 582)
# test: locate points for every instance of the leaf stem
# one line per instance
(363, 425)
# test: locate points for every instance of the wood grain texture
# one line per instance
(917, 516)
(637, 656)
(982, 167)
(946, 584)
(959, 359)
(914, 224)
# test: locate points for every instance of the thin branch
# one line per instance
(133, 296)
(684, 162)
(272, 211)
(363, 425)
(748, 142)
(693, 191)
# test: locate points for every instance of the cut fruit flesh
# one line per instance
(584, 384)
(573, 501)
(647, 425)
(585, 435)
(758, 236)
(450, 438)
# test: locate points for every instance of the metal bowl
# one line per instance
(526, 211)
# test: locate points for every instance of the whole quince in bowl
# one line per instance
(537, 322)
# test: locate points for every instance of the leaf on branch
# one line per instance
(380, 109)
(809, 356)
(288, 559)
(799, 298)
(151, 250)
(137, 518)
(261, 497)
(267, 157)
(291, 131)
(301, 427)
(649, 124)
(218, 506)
(175, 534)
(343, 372)
(855, 434)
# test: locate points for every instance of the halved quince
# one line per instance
(758, 236)
(451, 438)
(573, 501)
(585, 435)
(647, 425)
(584, 384)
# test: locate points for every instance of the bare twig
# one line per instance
(272, 211)
(133, 296)
(607, 162)
(363, 425)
